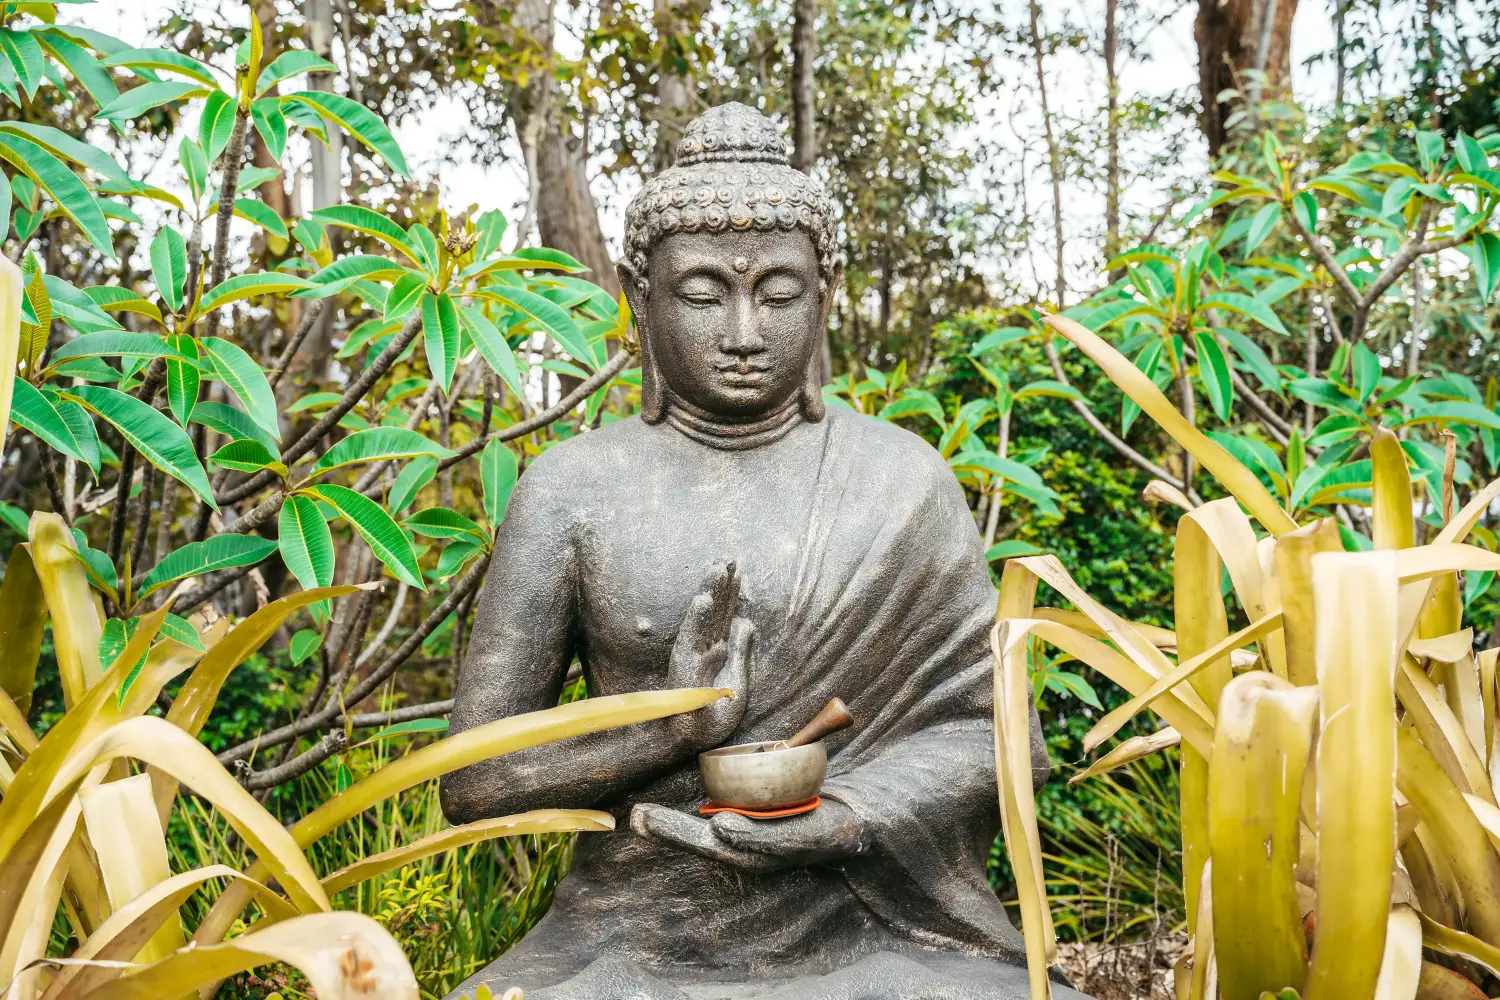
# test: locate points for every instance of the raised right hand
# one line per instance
(712, 649)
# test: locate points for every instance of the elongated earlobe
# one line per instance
(653, 393)
(811, 395)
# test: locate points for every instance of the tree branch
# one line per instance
(234, 159)
(1327, 259)
(310, 316)
(347, 402)
(332, 743)
(613, 367)
(1110, 438)
(331, 715)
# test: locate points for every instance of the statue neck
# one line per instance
(730, 433)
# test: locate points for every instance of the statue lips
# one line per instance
(742, 375)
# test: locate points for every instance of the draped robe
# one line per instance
(864, 575)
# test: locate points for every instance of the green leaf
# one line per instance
(235, 423)
(62, 185)
(293, 62)
(440, 522)
(1049, 387)
(454, 556)
(253, 177)
(306, 543)
(1305, 209)
(139, 100)
(411, 728)
(35, 412)
(416, 474)
(194, 166)
(364, 220)
(113, 298)
(263, 215)
(992, 464)
(550, 318)
(243, 376)
(223, 551)
(1455, 412)
(150, 432)
(1251, 354)
(25, 57)
(270, 124)
(117, 344)
(162, 59)
(65, 146)
(999, 338)
(356, 119)
(440, 337)
(1261, 226)
(246, 455)
(169, 267)
(82, 427)
(1213, 372)
(1248, 307)
(304, 644)
(83, 65)
(1366, 372)
(404, 295)
(914, 402)
(378, 444)
(1483, 252)
(382, 534)
(247, 286)
(347, 270)
(1429, 149)
(1010, 550)
(216, 123)
(179, 630)
(420, 237)
(492, 346)
(16, 518)
(490, 227)
(497, 475)
(1064, 682)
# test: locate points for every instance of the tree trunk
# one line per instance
(804, 91)
(567, 217)
(1112, 166)
(1233, 36)
(1341, 69)
(1054, 158)
(674, 90)
(327, 169)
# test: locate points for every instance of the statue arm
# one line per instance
(523, 641)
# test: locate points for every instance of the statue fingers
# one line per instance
(725, 589)
(736, 671)
(692, 641)
(689, 833)
(823, 834)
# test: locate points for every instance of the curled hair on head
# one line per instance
(731, 175)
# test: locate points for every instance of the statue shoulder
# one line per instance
(895, 449)
(587, 461)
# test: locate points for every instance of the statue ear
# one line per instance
(811, 394)
(637, 291)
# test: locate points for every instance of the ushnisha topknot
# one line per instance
(731, 175)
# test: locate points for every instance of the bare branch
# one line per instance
(614, 366)
(1325, 257)
(310, 316)
(1109, 436)
(234, 159)
(332, 743)
(347, 402)
(333, 715)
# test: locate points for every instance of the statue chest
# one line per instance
(642, 557)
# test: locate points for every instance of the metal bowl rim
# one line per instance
(725, 751)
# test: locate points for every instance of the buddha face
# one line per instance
(734, 319)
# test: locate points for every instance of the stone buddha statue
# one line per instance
(740, 534)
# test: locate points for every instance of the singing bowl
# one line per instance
(738, 776)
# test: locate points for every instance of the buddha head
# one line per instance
(730, 268)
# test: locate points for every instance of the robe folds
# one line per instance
(865, 578)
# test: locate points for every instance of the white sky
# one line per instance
(1075, 83)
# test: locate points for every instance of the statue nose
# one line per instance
(742, 333)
